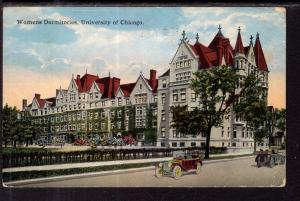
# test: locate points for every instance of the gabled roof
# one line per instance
(167, 73)
(84, 84)
(205, 54)
(127, 88)
(100, 85)
(41, 102)
(218, 51)
(259, 55)
(52, 101)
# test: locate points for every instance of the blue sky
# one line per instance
(40, 58)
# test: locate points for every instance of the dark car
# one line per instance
(266, 158)
(182, 162)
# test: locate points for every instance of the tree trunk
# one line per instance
(15, 143)
(254, 145)
(206, 156)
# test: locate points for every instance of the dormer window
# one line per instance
(141, 86)
(164, 84)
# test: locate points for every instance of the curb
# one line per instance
(102, 173)
(74, 176)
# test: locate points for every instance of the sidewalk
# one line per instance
(100, 163)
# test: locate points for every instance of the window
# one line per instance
(243, 132)
(120, 113)
(181, 144)
(193, 97)
(164, 83)
(103, 103)
(193, 144)
(113, 103)
(228, 131)
(163, 132)
(127, 101)
(96, 95)
(163, 144)
(91, 95)
(141, 86)
(119, 101)
(175, 95)
(175, 133)
(174, 144)
(163, 98)
(234, 132)
(234, 144)
(163, 115)
(202, 144)
(155, 98)
(139, 110)
(182, 94)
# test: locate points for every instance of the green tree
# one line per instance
(187, 122)
(10, 125)
(150, 132)
(252, 107)
(276, 120)
(217, 91)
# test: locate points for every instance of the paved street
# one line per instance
(235, 173)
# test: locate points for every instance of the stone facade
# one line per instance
(93, 105)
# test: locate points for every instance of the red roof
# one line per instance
(259, 55)
(100, 85)
(127, 88)
(84, 84)
(246, 50)
(239, 48)
(212, 55)
(52, 101)
(41, 102)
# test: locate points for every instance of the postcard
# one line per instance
(144, 97)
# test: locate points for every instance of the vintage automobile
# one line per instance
(266, 158)
(182, 162)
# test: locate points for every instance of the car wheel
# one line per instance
(177, 172)
(158, 172)
(198, 168)
(258, 164)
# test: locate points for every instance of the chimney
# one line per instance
(57, 91)
(37, 96)
(116, 84)
(78, 77)
(152, 78)
(24, 104)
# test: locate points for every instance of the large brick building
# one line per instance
(101, 105)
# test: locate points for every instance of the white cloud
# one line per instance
(12, 14)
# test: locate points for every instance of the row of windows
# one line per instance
(183, 64)
(246, 132)
(176, 93)
(183, 76)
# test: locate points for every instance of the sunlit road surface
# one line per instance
(235, 173)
